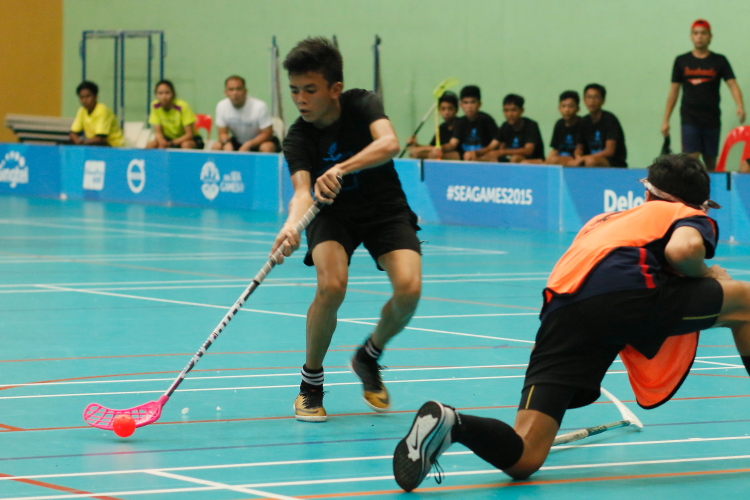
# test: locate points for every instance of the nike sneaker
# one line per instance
(368, 370)
(428, 438)
(308, 407)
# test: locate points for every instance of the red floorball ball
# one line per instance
(124, 425)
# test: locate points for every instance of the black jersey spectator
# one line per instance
(567, 144)
(518, 139)
(699, 73)
(448, 109)
(474, 131)
(603, 138)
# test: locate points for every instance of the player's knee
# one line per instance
(267, 147)
(188, 145)
(331, 291)
(216, 146)
(525, 467)
(406, 294)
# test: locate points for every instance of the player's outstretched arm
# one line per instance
(685, 252)
(288, 237)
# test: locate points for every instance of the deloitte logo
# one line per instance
(13, 169)
(614, 203)
(136, 175)
(214, 183)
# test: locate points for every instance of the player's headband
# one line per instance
(668, 197)
(701, 23)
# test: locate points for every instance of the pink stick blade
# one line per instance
(101, 417)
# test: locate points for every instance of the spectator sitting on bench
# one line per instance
(243, 121)
(518, 140)
(603, 138)
(95, 124)
(473, 131)
(567, 145)
(448, 109)
(173, 120)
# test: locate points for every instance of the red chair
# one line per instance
(740, 134)
(204, 122)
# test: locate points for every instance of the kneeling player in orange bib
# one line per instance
(632, 283)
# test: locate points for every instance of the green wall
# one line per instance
(536, 48)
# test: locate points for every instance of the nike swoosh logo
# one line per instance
(415, 437)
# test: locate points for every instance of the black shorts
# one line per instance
(236, 144)
(382, 229)
(577, 343)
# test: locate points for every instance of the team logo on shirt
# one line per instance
(332, 156)
(699, 75)
(13, 169)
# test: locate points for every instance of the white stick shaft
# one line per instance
(590, 431)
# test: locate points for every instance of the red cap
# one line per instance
(701, 23)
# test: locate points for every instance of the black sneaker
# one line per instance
(368, 371)
(428, 438)
(308, 407)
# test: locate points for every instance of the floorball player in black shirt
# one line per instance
(699, 73)
(342, 148)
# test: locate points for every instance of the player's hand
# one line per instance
(162, 142)
(288, 240)
(328, 185)
(470, 156)
(718, 273)
(665, 129)
(412, 141)
(741, 114)
(245, 147)
(435, 154)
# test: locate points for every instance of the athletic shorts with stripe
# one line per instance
(381, 228)
(577, 343)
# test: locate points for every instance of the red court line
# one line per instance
(57, 487)
(10, 428)
(510, 484)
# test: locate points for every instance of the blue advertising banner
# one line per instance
(30, 170)
(123, 175)
(588, 192)
(498, 195)
(225, 180)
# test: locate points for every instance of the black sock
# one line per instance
(369, 350)
(746, 362)
(313, 378)
(491, 440)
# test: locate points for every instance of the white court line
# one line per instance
(721, 364)
(239, 489)
(350, 459)
(212, 389)
(477, 250)
(180, 302)
(454, 316)
(170, 226)
(293, 374)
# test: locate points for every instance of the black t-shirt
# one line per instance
(516, 139)
(565, 139)
(595, 135)
(700, 79)
(477, 134)
(446, 133)
(307, 147)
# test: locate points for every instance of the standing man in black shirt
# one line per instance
(475, 130)
(448, 109)
(518, 140)
(342, 147)
(699, 72)
(603, 138)
(567, 145)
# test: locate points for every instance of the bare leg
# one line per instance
(538, 432)
(710, 162)
(735, 313)
(595, 161)
(331, 265)
(267, 147)
(404, 268)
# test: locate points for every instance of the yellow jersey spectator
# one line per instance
(95, 124)
(173, 120)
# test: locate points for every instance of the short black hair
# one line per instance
(449, 97)
(571, 94)
(318, 55)
(681, 175)
(599, 88)
(235, 77)
(471, 91)
(514, 99)
(167, 83)
(87, 85)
